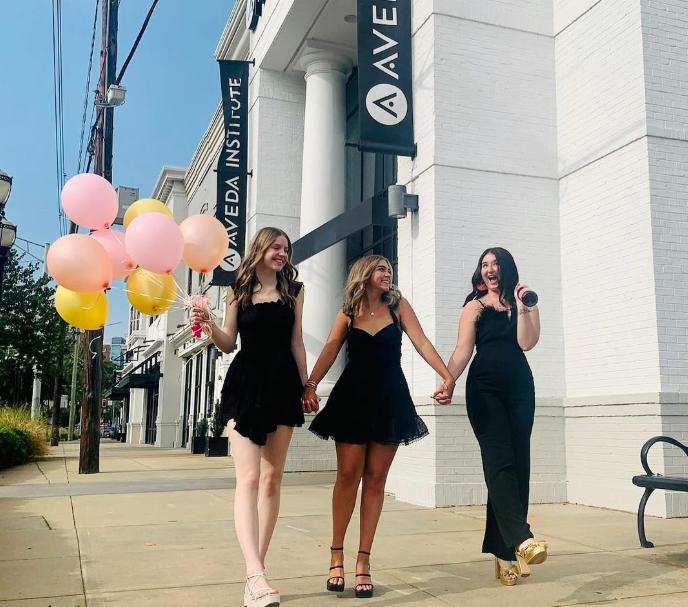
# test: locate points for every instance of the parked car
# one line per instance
(106, 432)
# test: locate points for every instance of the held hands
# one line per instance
(310, 401)
(444, 392)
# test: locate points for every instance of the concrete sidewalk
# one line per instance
(155, 528)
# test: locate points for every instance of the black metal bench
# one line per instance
(652, 481)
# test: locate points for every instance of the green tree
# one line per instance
(31, 331)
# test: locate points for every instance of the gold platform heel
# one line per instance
(502, 574)
(532, 554)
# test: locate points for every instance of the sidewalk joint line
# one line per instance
(43, 473)
(78, 548)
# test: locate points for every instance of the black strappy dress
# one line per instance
(371, 401)
(263, 387)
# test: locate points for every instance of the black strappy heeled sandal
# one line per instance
(366, 593)
(332, 587)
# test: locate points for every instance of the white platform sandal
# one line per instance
(250, 592)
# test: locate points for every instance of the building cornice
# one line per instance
(206, 153)
(169, 175)
(233, 44)
(234, 39)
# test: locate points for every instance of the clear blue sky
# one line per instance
(172, 92)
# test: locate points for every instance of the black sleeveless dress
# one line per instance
(371, 401)
(263, 387)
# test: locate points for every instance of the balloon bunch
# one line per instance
(145, 255)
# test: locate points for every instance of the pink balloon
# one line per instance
(205, 242)
(113, 243)
(90, 201)
(155, 242)
(79, 263)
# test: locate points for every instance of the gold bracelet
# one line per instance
(310, 384)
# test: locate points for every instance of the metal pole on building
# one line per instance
(89, 455)
(36, 392)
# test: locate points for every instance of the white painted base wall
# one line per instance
(445, 468)
(308, 453)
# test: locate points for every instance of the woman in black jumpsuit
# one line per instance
(500, 398)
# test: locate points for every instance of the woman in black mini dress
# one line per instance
(370, 411)
(500, 398)
(261, 395)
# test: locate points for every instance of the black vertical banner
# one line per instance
(385, 82)
(232, 167)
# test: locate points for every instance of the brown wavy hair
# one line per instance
(246, 280)
(356, 281)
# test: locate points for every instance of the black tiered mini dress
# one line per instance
(263, 387)
(371, 401)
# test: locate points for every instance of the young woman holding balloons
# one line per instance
(261, 396)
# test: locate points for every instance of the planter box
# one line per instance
(198, 445)
(217, 447)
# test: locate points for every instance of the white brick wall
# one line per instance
(669, 195)
(485, 102)
(603, 445)
(276, 150)
(608, 277)
(665, 45)
(600, 83)
(445, 468)
(308, 453)
(665, 38)
(494, 98)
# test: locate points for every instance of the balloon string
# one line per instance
(95, 303)
(90, 347)
(182, 294)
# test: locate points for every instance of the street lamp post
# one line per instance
(8, 231)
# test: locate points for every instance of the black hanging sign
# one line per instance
(232, 167)
(254, 9)
(385, 85)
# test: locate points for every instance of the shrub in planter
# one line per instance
(198, 441)
(217, 445)
(15, 446)
(20, 418)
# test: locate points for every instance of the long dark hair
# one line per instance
(508, 277)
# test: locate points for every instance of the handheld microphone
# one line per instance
(528, 297)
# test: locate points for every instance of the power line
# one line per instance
(27, 252)
(136, 42)
(88, 86)
(38, 244)
(58, 105)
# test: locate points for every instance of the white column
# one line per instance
(323, 196)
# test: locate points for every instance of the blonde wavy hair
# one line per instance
(246, 280)
(359, 274)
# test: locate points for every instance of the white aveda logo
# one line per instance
(386, 103)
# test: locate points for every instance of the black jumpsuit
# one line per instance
(500, 398)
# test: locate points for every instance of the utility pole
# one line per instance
(72, 396)
(89, 455)
(57, 397)
(36, 393)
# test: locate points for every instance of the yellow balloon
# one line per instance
(151, 293)
(145, 205)
(83, 310)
